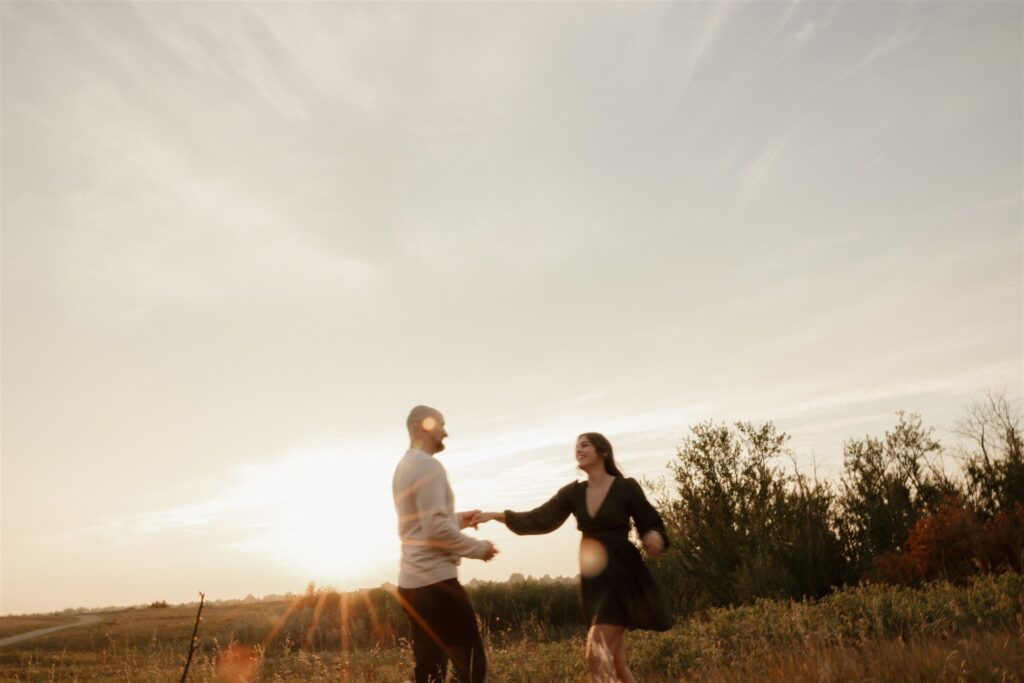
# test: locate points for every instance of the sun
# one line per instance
(343, 533)
(333, 520)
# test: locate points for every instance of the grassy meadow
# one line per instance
(939, 632)
(12, 626)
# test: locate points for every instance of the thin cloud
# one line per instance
(783, 47)
(1011, 200)
(785, 257)
(240, 50)
(753, 175)
(255, 496)
(147, 527)
(897, 40)
(958, 383)
(711, 29)
(805, 32)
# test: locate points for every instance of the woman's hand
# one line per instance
(488, 516)
(654, 543)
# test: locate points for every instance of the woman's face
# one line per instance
(586, 453)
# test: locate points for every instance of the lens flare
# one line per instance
(237, 663)
(593, 557)
(429, 423)
(313, 623)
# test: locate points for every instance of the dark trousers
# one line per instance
(444, 628)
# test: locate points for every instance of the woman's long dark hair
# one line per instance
(604, 449)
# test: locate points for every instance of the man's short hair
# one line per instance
(418, 414)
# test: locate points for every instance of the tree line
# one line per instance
(744, 527)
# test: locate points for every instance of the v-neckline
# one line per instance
(600, 505)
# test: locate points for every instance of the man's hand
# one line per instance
(492, 550)
(469, 519)
(654, 544)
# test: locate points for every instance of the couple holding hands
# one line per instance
(617, 590)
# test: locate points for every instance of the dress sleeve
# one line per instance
(544, 519)
(644, 515)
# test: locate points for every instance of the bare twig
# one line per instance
(192, 644)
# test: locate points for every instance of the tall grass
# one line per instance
(939, 632)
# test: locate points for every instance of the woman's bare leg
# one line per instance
(621, 668)
(603, 641)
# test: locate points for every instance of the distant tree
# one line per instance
(158, 604)
(994, 454)
(740, 527)
(886, 485)
(813, 550)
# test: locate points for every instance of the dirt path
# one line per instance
(82, 621)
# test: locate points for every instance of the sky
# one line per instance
(241, 240)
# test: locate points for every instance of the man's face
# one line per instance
(433, 428)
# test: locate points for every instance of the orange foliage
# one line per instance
(953, 544)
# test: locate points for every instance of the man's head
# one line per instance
(426, 429)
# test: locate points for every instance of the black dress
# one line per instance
(616, 586)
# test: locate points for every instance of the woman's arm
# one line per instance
(648, 522)
(541, 520)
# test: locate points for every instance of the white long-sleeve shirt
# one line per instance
(431, 541)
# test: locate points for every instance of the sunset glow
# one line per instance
(242, 240)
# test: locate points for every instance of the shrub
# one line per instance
(886, 485)
(1002, 544)
(955, 543)
(741, 528)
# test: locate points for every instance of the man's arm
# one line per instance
(442, 529)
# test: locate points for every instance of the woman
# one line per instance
(618, 590)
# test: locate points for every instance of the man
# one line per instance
(442, 619)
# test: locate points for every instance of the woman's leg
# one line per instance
(621, 668)
(603, 641)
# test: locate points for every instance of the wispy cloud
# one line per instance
(233, 46)
(1012, 200)
(805, 32)
(711, 29)
(753, 175)
(783, 259)
(825, 400)
(252, 496)
(896, 41)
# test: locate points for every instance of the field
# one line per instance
(937, 633)
(11, 626)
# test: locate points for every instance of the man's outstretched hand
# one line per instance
(492, 550)
(470, 518)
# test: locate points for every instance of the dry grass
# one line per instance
(986, 657)
(12, 626)
(938, 633)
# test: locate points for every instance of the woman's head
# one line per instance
(593, 448)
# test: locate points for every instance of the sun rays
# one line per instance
(353, 609)
(342, 549)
